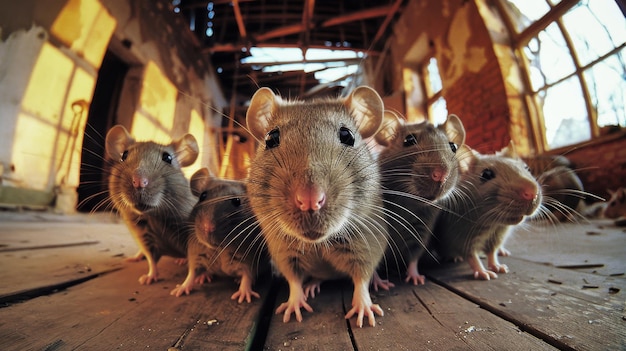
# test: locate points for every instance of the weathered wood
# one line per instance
(431, 317)
(116, 312)
(597, 246)
(552, 304)
(41, 254)
(324, 329)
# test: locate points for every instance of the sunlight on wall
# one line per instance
(36, 128)
(48, 135)
(157, 103)
(86, 27)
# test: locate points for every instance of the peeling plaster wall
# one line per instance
(144, 31)
(473, 85)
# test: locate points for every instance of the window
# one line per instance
(574, 55)
(424, 98)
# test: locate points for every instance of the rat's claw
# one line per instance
(485, 275)
(148, 279)
(500, 268)
(289, 307)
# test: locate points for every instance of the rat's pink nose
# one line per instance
(140, 181)
(439, 175)
(310, 198)
(528, 193)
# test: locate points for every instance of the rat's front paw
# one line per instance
(136, 258)
(485, 275)
(202, 278)
(503, 252)
(360, 309)
(244, 294)
(378, 282)
(180, 261)
(148, 279)
(499, 268)
(181, 289)
(290, 307)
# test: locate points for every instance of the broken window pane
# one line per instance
(525, 12)
(606, 82)
(564, 114)
(549, 58)
(603, 28)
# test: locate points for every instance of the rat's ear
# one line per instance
(199, 181)
(186, 149)
(453, 127)
(117, 141)
(389, 128)
(260, 112)
(366, 107)
(467, 157)
(508, 151)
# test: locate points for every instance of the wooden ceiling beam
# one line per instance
(239, 19)
(381, 30)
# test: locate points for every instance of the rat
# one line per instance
(226, 240)
(498, 192)
(151, 194)
(314, 187)
(419, 171)
(562, 191)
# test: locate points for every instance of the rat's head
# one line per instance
(419, 158)
(616, 205)
(146, 176)
(502, 189)
(222, 213)
(313, 171)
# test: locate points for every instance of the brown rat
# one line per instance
(419, 171)
(315, 190)
(498, 193)
(150, 192)
(562, 192)
(226, 240)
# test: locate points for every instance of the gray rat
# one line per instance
(151, 194)
(498, 193)
(562, 191)
(226, 240)
(315, 190)
(419, 171)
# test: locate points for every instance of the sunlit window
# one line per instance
(423, 90)
(574, 55)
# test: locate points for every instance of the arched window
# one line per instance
(574, 56)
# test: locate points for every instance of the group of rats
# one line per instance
(319, 203)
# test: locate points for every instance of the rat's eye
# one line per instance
(453, 147)
(410, 140)
(236, 202)
(203, 196)
(167, 157)
(272, 139)
(124, 156)
(346, 136)
(487, 175)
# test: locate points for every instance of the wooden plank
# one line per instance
(598, 245)
(552, 304)
(116, 312)
(40, 254)
(324, 329)
(431, 317)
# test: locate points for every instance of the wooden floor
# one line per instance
(64, 286)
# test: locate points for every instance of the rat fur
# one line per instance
(315, 190)
(151, 194)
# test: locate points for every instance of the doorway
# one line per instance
(92, 190)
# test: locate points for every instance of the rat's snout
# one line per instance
(439, 175)
(309, 198)
(528, 192)
(139, 180)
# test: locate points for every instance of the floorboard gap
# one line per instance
(25, 295)
(262, 325)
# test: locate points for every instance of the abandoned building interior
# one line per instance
(546, 78)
